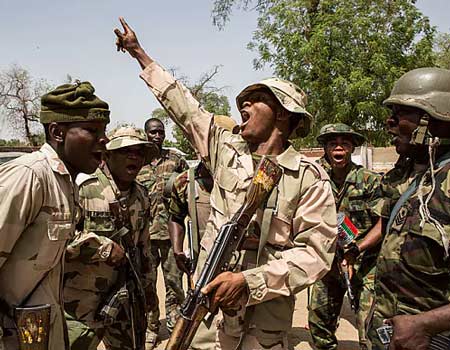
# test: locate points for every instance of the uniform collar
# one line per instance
(104, 170)
(290, 159)
(55, 162)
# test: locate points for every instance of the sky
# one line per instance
(54, 38)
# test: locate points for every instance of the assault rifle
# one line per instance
(223, 255)
(131, 291)
(346, 234)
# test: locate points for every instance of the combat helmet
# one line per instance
(425, 88)
(290, 96)
(125, 136)
(330, 130)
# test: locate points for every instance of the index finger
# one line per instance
(211, 285)
(125, 25)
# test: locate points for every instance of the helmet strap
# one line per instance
(421, 135)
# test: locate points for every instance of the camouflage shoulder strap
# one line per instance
(192, 205)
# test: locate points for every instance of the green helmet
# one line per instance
(331, 130)
(126, 136)
(290, 96)
(424, 88)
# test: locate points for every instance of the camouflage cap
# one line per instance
(126, 136)
(73, 103)
(425, 88)
(225, 122)
(290, 96)
(331, 130)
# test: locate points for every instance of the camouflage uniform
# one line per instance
(89, 279)
(301, 231)
(37, 192)
(155, 177)
(413, 271)
(354, 199)
(38, 213)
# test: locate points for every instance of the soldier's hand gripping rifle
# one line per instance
(346, 235)
(223, 255)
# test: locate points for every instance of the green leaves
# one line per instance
(345, 54)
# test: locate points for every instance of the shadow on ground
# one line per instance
(299, 335)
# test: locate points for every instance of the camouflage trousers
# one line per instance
(376, 321)
(115, 337)
(162, 253)
(326, 301)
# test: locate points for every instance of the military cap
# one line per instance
(331, 130)
(425, 88)
(126, 136)
(290, 96)
(73, 103)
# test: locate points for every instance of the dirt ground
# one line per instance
(299, 338)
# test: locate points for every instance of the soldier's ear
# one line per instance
(57, 132)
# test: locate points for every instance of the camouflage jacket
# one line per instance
(180, 197)
(413, 272)
(302, 231)
(38, 213)
(356, 196)
(155, 177)
(89, 280)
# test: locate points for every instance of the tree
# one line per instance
(210, 98)
(345, 54)
(20, 101)
(442, 50)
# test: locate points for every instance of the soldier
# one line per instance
(298, 224)
(158, 176)
(192, 201)
(39, 211)
(353, 187)
(413, 281)
(95, 262)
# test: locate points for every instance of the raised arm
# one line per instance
(177, 100)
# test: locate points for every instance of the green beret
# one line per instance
(73, 103)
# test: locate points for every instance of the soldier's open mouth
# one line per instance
(338, 157)
(132, 168)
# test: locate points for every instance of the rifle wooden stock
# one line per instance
(223, 254)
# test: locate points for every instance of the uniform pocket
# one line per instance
(50, 251)
(226, 179)
(285, 209)
(359, 214)
(424, 251)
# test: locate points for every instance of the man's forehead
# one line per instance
(340, 137)
(155, 125)
(96, 124)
